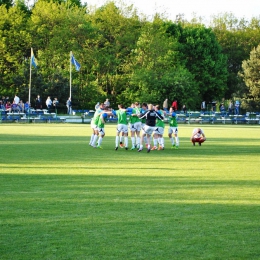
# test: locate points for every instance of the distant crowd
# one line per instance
(16, 105)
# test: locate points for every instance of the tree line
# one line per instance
(125, 56)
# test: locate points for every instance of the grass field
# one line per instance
(62, 199)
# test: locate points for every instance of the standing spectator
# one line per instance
(165, 104)
(38, 102)
(107, 103)
(184, 109)
(203, 106)
(237, 104)
(16, 99)
(230, 108)
(175, 105)
(48, 104)
(97, 106)
(55, 104)
(69, 106)
(214, 103)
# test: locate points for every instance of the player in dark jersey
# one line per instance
(150, 117)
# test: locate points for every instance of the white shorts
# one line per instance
(159, 130)
(149, 129)
(93, 126)
(173, 130)
(101, 130)
(122, 128)
(135, 127)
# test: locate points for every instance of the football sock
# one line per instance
(100, 141)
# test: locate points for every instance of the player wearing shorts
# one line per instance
(159, 131)
(122, 125)
(150, 117)
(101, 128)
(143, 136)
(173, 129)
(135, 125)
(94, 122)
(198, 136)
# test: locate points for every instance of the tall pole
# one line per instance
(70, 72)
(30, 80)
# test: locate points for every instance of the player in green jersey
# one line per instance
(121, 125)
(159, 131)
(93, 125)
(173, 129)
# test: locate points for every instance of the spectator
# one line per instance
(16, 99)
(55, 102)
(69, 106)
(184, 109)
(175, 105)
(230, 108)
(97, 106)
(165, 104)
(38, 102)
(222, 109)
(26, 107)
(237, 104)
(214, 103)
(21, 106)
(2, 107)
(203, 106)
(8, 106)
(48, 104)
(15, 107)
(107, 103)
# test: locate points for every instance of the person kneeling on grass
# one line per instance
(198, 136)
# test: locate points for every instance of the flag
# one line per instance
(33, 60)
(74, 61)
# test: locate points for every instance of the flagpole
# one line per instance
(70, 72)
(30, 80)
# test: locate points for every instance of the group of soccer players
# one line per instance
(145, 121)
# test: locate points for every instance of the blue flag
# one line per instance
(33, 60)
(74, 61)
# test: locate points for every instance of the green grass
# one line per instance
(62, 199)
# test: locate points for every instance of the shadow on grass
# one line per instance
(128, 217)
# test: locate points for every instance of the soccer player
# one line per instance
(198, 136)
(159, 131)
(101, 128)
(143, 137)
(135, 125)
(94, 122)
(173, 129)
(121, 126)
(150, 117)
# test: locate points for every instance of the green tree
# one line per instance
(14, 40)
(250, 73)
(203, 57)
(154, 70)
(237, 38)
(118, 31)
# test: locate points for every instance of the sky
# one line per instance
(202, 8)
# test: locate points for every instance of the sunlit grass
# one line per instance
(61, 199)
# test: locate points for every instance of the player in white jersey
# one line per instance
(198, 136)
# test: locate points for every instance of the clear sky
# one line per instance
(204, 8)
